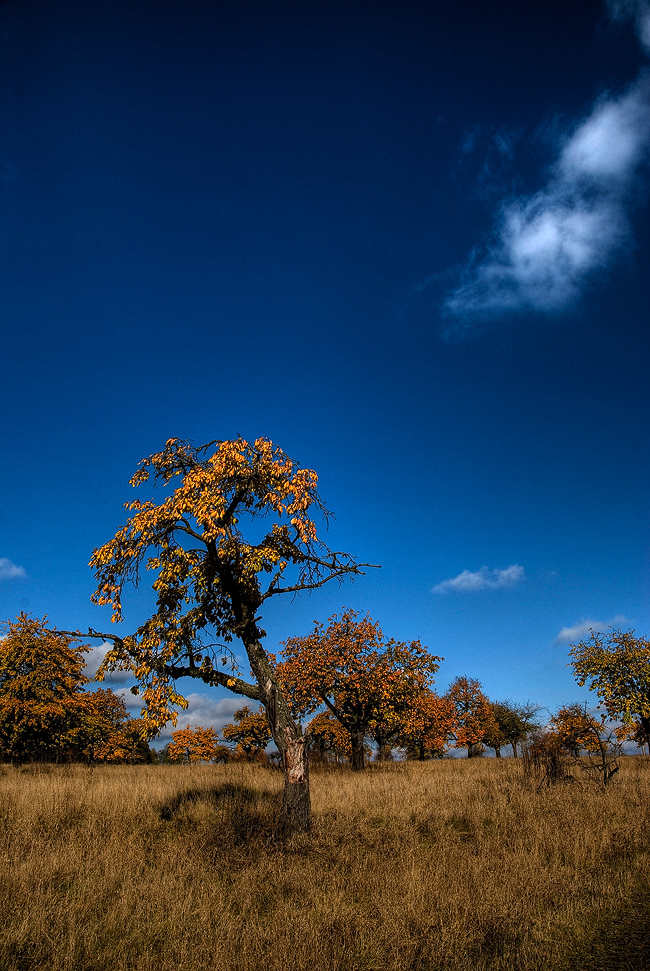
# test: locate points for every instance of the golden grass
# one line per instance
(445, 865)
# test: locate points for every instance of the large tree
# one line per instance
(42, 701)
(211, 580)
(617, 666)
(367, 681)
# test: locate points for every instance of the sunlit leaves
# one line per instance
(250, 734)
(617, 666)
(196, 744)
(475, 722)
(41, 696)
(208, 576)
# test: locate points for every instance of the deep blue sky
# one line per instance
(408, 242)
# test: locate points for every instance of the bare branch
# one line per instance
(340, 572)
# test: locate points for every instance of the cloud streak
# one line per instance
(548, 245)
(568, 635)
(483, 579)
(9, 570)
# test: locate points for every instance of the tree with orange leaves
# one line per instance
(42, 701)
(211, 581)
(328, 739)
(366, 681)
(250, 734)
(193, 744)
(475, 720)
(429, 725)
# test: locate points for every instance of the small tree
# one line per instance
(211, 581)
(191, 745)
(428, 726)
(590, 739)
(617, 667)
(42, 701)
(514, 724)
(475, 720)
(329, 739)
(250, 733)
(366, 681)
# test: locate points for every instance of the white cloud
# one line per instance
(9, 570)
(581, 630)
(94, 658)
(483, 579)
(205, 711)
(547, 245)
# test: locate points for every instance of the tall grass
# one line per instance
(444, 865)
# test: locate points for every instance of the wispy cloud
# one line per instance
(583, 629)
(637, 10)
(9, 570)
(483, 579)
(546, 246)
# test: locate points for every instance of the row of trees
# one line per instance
(235, 527)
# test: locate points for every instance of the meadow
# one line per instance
(452, 864)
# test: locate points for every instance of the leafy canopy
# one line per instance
(41, 689)
(361, 676)
(617, 665)
(209, 576)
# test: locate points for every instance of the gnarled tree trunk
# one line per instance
(296, 804)
(295, 815)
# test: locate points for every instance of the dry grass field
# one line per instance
(444, 865)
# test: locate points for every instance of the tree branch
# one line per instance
(209, 675)
(340, 572)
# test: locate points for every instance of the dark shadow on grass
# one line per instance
(621, 938)
(242, 816)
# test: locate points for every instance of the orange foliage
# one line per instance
(250, 734)
(428, 726)
(193, 744)
(328, 738)
(475, 720)
(366, 681)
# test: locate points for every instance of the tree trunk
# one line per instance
(645, 725)
(497, 751)
(295, 816)
(358, 752)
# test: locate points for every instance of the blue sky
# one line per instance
(408, 242)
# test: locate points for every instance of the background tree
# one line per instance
(196, 744)
(328, 739)
(617, 666)
(364, 679)
(428, 726)
(475, 721)
(633, 733)
(42, 702)
(514, 725)
(211, 581)
(250, 733)
(589, 738)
